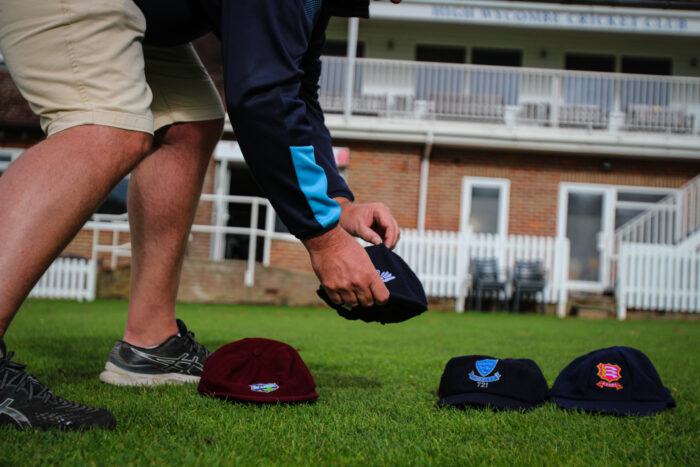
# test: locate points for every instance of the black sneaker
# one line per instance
(26, 403)
(180, 359)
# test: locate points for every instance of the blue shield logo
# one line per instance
(484, 367)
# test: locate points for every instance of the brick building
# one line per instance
(547, 119)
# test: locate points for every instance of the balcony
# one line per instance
(546, 109)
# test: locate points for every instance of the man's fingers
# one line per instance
(369, 235)
(334, 296)
(391, 235)
(379, 291)
(349, 298)
(365, 295)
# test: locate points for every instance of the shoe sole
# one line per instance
(112, 374)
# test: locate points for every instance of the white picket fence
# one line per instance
(657, 278)
(72, 278)
(441, 260)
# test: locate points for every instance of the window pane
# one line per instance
(586, 62)
(483, 217)
(646, 66)
(583, 223)
(623, 216)
(441, 53)
(337, 48)
(499, 57)
(641, 197)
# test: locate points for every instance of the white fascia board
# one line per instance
(544, 16)
(522, 138)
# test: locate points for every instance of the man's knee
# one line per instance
(200, 137)
(127, 147)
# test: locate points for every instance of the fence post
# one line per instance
(269, 231)
(91, 280)
(622, 277)
(563, 275)
(252, 245)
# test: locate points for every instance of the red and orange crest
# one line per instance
(609, 373)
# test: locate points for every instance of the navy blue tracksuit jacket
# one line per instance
(270, 51)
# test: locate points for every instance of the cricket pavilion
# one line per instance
(562, 133)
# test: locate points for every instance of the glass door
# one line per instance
(585, 218)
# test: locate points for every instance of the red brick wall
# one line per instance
(289, 255)
(389, 174)
(534, 182)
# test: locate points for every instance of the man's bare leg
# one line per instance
(163, 194)
(49, 193)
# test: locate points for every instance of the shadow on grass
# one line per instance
(50, 356)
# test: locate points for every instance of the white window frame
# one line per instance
(607, 238)
(502, 184)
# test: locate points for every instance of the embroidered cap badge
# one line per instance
(264, 387)
(609, 373)
(485, 367)
(386, 276)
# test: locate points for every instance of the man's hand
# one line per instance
(345, 270)
(371, 222)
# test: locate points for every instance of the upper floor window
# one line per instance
(646, 66)
(339, 48)
(441, 53)
(497, 57)
(589, 62)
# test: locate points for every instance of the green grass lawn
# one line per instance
(377, 386)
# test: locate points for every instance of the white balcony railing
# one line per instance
(605, 102)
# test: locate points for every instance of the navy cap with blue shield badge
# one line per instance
(406, 295)
(501, 384)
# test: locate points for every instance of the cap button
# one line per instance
(257, 353)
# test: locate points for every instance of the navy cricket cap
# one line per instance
(406, 295)
(615, 380)
(479, 380)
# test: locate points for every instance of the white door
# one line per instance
(586, 218)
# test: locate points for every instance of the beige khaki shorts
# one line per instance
(81, 62)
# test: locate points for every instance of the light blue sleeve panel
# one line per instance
(313, 183)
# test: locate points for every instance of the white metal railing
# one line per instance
(669, 222)
(118, 224)
(72, 278)
(657, 277)
(441, 260)
(512, 95)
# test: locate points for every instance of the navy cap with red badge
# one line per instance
(479, 380)
(406, 295)
(257, 370)
(614, 380)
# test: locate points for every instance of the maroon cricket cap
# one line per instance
(257, 370)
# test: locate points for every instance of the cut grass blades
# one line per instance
(377, 386)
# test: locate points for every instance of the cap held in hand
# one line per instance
(406, 295)
(479, 380)
(257, 370)
(614, 380)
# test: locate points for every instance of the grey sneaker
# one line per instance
(26, 403)
(180, 359)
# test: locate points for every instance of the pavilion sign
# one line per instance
(627, 20)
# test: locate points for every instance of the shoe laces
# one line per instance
(194, 346)
(12, 374)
